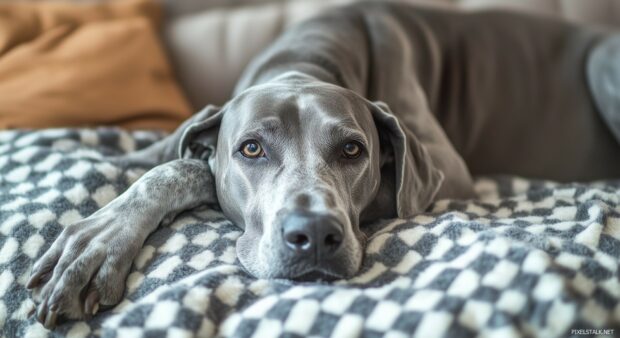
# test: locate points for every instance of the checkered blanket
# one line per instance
(527, 258)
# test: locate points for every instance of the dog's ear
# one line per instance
(415, 178)
(199, 138)
(178, 144)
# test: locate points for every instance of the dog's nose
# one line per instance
(307, 233)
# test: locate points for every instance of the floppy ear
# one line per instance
(416, 180)
(174, 145)
(199, 138)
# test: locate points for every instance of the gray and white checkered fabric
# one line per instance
(527, 258)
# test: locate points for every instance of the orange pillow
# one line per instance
(66, 64)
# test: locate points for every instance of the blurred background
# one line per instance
(148, 64)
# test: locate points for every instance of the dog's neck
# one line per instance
(296, 77)
(312, 68)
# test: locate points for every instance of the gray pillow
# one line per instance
(209, 50)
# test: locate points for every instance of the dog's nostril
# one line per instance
(298, 240)
(333, 240)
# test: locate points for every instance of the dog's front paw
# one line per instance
(84, 268)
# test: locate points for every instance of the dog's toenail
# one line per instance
(91, 304)
(32, 282)
(41, 312)
(50, 320)
(95, 308)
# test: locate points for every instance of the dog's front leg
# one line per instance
(88, 263)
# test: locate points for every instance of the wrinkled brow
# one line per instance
(343, 132)
(269, 125)
(268, 129)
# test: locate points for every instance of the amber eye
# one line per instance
(251, 149)
(352, 150)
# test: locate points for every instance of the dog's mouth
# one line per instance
(316, 276)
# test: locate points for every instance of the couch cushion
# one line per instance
(210, 50)
(603, 12)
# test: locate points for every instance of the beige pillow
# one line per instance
(86, 65)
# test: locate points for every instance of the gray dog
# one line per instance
(368, 111)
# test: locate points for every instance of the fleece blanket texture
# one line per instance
(526, 258)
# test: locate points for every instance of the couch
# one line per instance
(525, 258)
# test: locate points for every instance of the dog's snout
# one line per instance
(311, 234)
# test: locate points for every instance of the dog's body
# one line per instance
(301, 157)
(509, 91)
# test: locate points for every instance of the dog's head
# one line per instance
(299, 165)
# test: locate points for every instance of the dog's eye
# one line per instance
(251, 149)
(352, 150)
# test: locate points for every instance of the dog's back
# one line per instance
(510, 90)
(513, 97)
